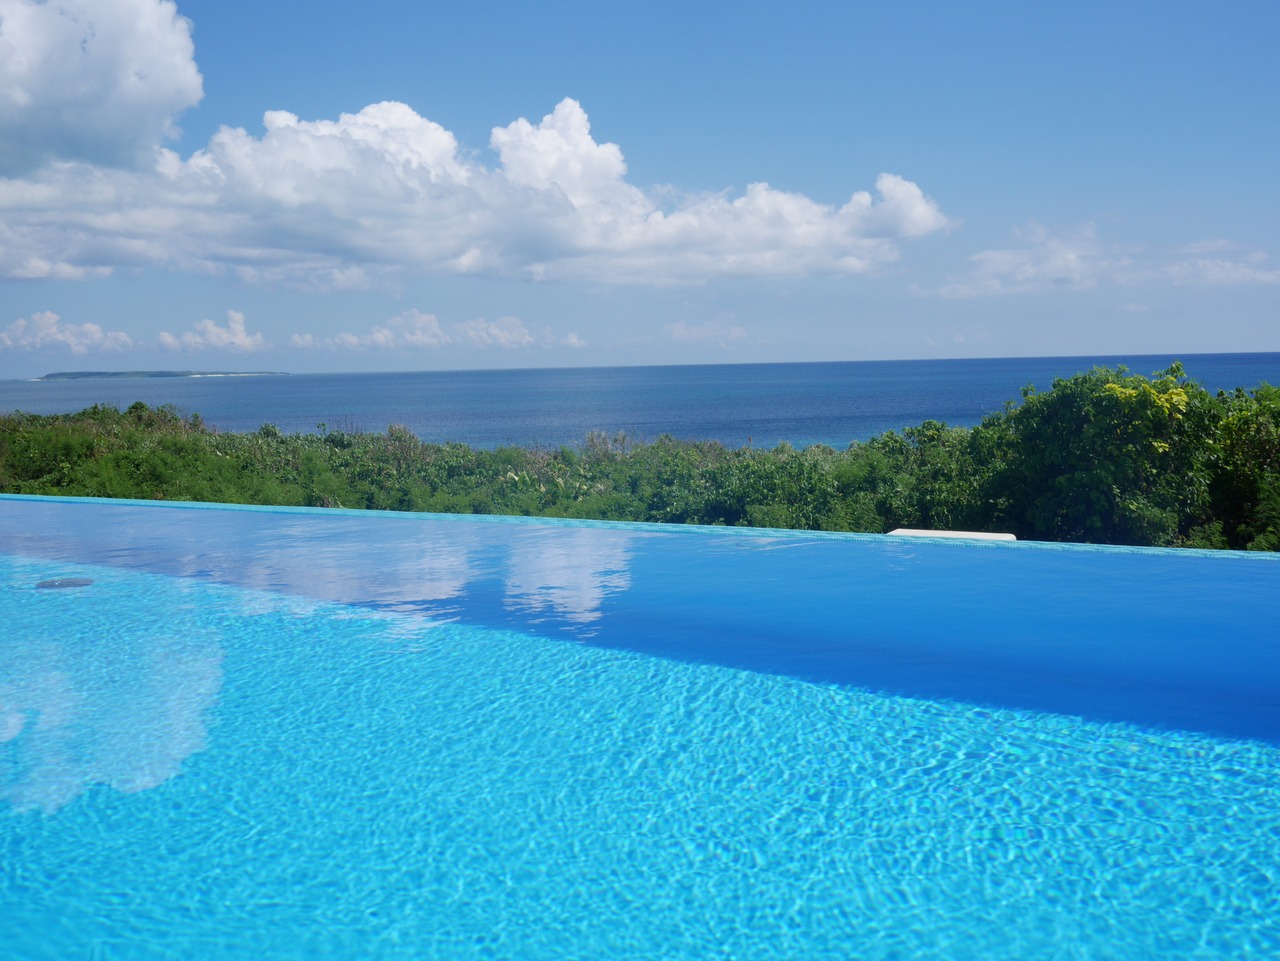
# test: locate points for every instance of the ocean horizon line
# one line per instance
(159, 374)
(801, 403)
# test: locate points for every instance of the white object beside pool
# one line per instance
(973, 535)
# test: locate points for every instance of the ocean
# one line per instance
(736, 404)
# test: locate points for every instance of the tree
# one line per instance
(1105, 457)
(1246, 487)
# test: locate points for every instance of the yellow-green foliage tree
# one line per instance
(1105, 457)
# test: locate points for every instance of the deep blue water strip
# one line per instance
(1171, 639)
(831, 403)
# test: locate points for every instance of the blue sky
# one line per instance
(313, 187)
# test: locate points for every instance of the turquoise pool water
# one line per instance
(268, 733)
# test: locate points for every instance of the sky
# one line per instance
(308, 187)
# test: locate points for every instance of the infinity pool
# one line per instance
(267, 733)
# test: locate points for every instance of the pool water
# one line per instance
(278, 734)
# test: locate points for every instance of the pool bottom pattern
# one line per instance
(193, 770)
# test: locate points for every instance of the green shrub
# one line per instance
(1104, 456)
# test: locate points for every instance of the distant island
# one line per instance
(118, 374)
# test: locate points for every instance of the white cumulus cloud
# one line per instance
(560, 156)
(46, 329)
(208, 335)
(98, 81)
(353, 202)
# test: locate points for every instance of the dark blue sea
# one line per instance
(736, 404)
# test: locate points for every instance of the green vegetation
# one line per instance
(1102, 457)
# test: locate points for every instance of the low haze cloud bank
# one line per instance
(1043, 260)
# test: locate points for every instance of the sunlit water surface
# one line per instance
(262, 734)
